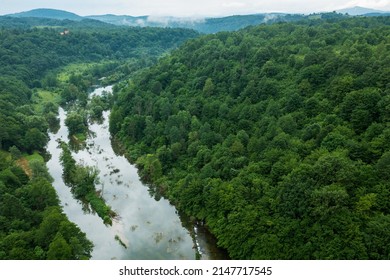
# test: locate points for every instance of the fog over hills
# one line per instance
(200, 24)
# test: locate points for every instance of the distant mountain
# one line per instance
(120, 19)
(359, 11)
(204, 25)
(48, 13)
(382, 14)
(29, 22)
(232, 23)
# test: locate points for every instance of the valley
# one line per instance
(269, 142)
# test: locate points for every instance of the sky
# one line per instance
(188, 8)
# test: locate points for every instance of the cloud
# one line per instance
(269, 17)
(158, 19)
(165, 20)
(140, 22)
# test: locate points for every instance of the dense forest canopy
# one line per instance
(276, 136)
(30, 53)
(32, 224)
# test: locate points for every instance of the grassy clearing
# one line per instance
(74, 69)
(48, 96)
(42, 96)
(34, 156)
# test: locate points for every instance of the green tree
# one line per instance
(15, 153)
(59, 249)
(76, 123)
(209, 87)
(39, 170)
(34, 140)
(39, 194)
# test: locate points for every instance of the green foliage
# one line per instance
(59, 249)
(276, 136)
(39, 68)
(15, 153)
(82, 180)
(31, 221)
(76, 123)
(151, 168)
(39, 170)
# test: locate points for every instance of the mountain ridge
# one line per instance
(201, 24)
(48, 13)
(359, 11)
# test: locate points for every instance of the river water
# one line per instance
(147, 228)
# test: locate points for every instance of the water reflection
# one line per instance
(145, 228)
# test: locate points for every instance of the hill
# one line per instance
(121, 19)
(358, 11)
(204, 25)
(277, 137)
(48, 13)
(29, 22)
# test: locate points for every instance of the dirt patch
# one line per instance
(23, 163)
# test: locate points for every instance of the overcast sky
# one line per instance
(188, 7)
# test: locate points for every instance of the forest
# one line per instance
(39, 70)
(276, 136)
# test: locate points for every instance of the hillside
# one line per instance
(31, 22)
(276, 137)
(32, 223)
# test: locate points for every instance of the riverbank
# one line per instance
(150, 229)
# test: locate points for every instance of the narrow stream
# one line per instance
(149, 229)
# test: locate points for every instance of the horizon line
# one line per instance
(195, 16)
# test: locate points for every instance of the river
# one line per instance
(147, 228)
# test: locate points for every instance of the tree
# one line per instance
(59, 249)
(11, 207)
(48, 228)
(151, 167)
(15, 153)
(39, 194)
(39, 170)
(75, 123)
(209, 87)
(34, 140)
(383, 166)
(81, 246)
